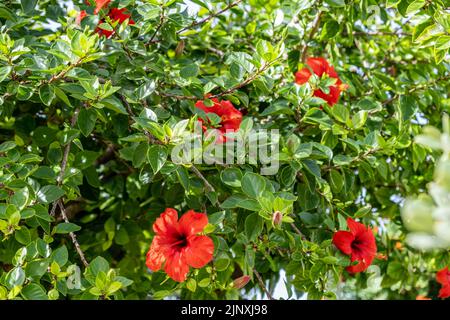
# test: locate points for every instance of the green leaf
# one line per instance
(23, 235)
(86, 120)
(15, 277)
(407, 107)
(189, 71)
(191, 284)
(28, 6)
(253, 184)
(341, 113)
(336, 181)
(414, 6)
(47, 94)
(232, 177)
(37, 268)
(62, 95)
(183, 177)
(359, 119)
(7, 145)
(34, 291)
(157, 156)
(60, 256)
(253, 226)
(66, 227)
(4, 72)
(49, 194)
(99, 264)
(330, 29)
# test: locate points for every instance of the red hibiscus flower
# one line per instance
(100, 4)
(320, 66)
(443, 277)
(115, 15)
(81, 16)
(120, 15)
(177, 244)
(358, 243)
(231, 118)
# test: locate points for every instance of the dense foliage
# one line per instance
(96, 95)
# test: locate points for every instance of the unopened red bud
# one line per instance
(277, 218)
(241, 282)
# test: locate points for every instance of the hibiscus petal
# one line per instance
(80, 16)
(318, 65)
(176, 267)
(355, 227)
(443, 277)
(192, 223)
(367, 244)
(100, 4)
(199, 251)
(343, 241)
(360, 267)
(444, 292)
(119, 15)
(155, 256)
(167, 222)
(302, 76)
(330, 98)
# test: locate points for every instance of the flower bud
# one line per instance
(241, 282)
(277, 218)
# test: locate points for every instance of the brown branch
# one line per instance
(228, 91)
(244, 83)
(149, 136)
(261, 284)
(414, 89)
(72, 235)
(193, 24)
(208, 186)
(60, 177)
(177, 96)
(314, 29)
(213, 15)
(124, 47)
(380, 33)
(160, 24)
(62, 73)
(218, 52)
(297, 230)
(360, 157)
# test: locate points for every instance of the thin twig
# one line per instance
(208, 186)
(297, 230)
(73, 236)
(149, 136)
(213, 15)
(63, 72)
(243, 83)
(314, 29)
(261, 284)
(218, 52)
(228, 91)
(193, 24)
(160, 24)
(60, 177)
(380, 33)
(414, 89)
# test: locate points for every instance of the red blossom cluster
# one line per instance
(230, 117)
(178, 244)
(320, 66)
(443, 277)
(358, 243)
(114, 14)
